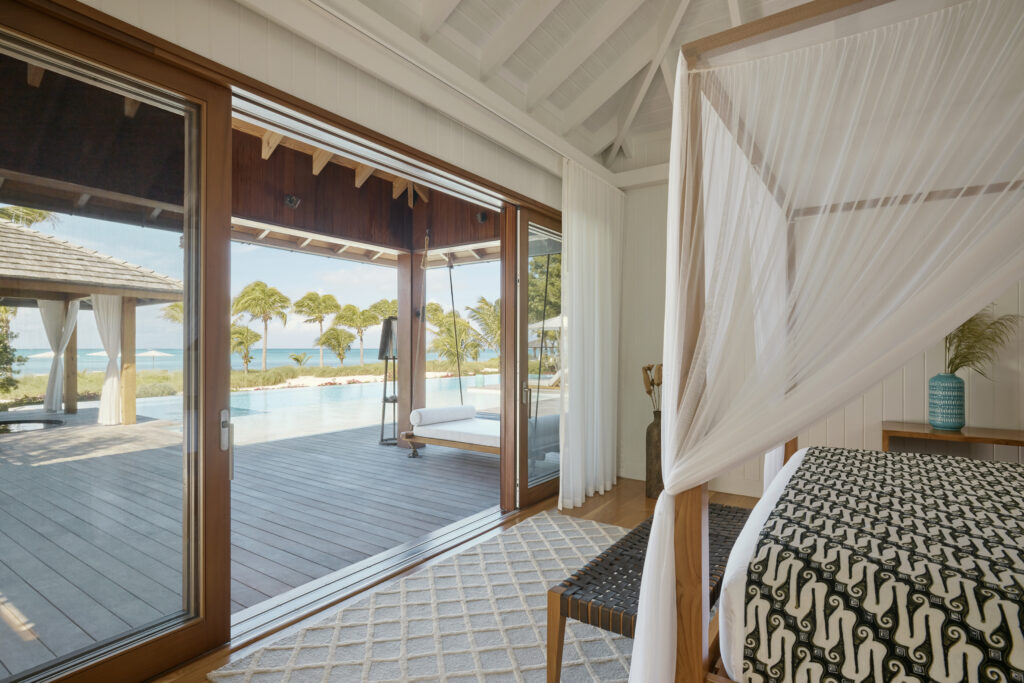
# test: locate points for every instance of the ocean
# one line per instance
(96, 360)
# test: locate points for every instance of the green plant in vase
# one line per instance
(972, 345)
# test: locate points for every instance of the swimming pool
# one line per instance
(280, 413)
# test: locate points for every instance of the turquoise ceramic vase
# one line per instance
(946, 401)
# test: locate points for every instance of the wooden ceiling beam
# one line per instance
(92, 192)
(591, 35)
(271, 139)
(515, 31)
(422, 192)
(35, 75)
(398, 186)
(320, 159)
(362, 174)
(672, 17)
(82, 200)
(131, 107)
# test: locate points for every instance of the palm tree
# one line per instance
(300, 359)
(358, 321)
(385, 308)
(174, 312)
(337, 340)
(242, 339)
(444, 344)
(487, 316)
(263, 303)
(26, 216)
(316, 307)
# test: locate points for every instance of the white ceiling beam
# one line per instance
(356, 33)
(610, 82)
(672, 16)
(602, 137)
(433, 13)
(584, 42)
(668, 73)
(514, 32)
(642, 177)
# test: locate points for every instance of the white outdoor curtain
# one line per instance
(58, 324)
(864, 145)
(107, 309)
(592, 218)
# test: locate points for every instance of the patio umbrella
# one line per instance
(550, 325)
(154, 355)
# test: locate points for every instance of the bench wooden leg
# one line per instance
(556, 636)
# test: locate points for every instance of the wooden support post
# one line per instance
(128, 360)
(790, 449)
(412, 344)
(71, 373)
(693, 606)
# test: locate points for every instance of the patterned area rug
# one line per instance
(478, 616)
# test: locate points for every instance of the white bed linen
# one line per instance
(734, 581)
(474, 431)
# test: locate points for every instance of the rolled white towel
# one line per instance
(429, 416)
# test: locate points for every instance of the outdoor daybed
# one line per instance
(459, 427)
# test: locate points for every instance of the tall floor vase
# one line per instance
(654, 482)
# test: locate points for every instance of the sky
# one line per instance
(294, 274)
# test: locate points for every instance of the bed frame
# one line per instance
(416, 441)
(697, 652)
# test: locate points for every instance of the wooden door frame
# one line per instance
(527, 495)
(148, 652)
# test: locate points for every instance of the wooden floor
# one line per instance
(625, 505)
(91, 547)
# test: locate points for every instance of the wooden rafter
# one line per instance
(90, 192)
(670, 26)
(433, 13)
(271, 139)
(131, 107)
(628, 65)
(422, 192)
(591, 35)
(398, 186)
(82, 200)
(320, 159)
(362, 173)
(35, 75)
(513, 33)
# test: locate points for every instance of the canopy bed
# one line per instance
(844, 189)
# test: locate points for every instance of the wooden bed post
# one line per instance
(693, 608)
(411, 341)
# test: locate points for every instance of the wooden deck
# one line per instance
(91, 547)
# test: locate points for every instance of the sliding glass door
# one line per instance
(112, 470)
(539, 359)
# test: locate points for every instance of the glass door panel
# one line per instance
(540, 367)
(99, 362)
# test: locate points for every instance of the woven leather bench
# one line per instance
(606, 592)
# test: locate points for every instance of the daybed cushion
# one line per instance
(884, 566)
(427, 416)
(473, 431)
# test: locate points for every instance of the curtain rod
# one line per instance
(774, 26)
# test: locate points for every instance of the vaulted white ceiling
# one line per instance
(587, 78)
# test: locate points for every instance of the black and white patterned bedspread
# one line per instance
(889, 567)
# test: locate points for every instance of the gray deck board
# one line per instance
(91, 547)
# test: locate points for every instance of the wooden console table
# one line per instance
(916, 430)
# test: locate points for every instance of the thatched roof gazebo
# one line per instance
(37, 270)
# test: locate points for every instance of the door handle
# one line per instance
(528, 398)
(227, 440)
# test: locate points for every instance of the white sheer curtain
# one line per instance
(107, 309)
(896, 157)
(592, 218)
(58, 324)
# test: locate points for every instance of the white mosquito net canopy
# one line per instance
(838, 201)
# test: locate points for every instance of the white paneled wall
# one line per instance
(903, 395)
(642, 321)
(241, 39)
